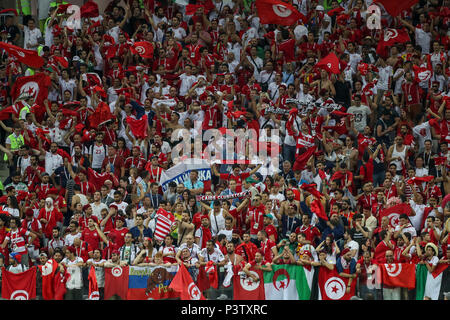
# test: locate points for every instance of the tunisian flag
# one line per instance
(94, 294)
(334, 287)
(399, 274)
(390, 37)
(248, 289)
(36, 85)
(101, 115)
(138, 127)
(143, 48)
(60, 285)
(393, 213)
(394, 8)
(116, 282)
(183, 283)
(28, 57)
(48, 271)
(330, 63)
(278, 12)
(19, 286)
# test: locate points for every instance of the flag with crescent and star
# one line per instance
(334, 287)
(249, 287)
(288, 282)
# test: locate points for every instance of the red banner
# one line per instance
(19, 286)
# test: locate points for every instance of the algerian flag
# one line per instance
(434, 284)
(288, 282)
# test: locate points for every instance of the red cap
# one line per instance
(115, 252)
(29, 212)
(87, 206)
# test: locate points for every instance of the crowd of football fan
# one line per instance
(386, 145)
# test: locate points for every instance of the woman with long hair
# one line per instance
(12, 207)
(147, 253)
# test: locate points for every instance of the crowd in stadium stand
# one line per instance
(87, 137)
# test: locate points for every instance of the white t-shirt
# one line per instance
(99, 272)
(216, 256)
(417, 219)
(384, 77)
(75, 280)
(186, 83)
(423, 39)
(31, 37)
(52, 162)
(68, 239)
(96, 209)
(361, 113)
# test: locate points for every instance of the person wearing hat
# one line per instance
(269, 227)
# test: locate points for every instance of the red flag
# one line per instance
(330, 63)
(393, 213)
(420, 180)
(59, 284)
(28, 57)
(394, 8)
(5, 114)
(143, 48)
(62, 61)
(334, 287)
(301, 160)
(36, 86)
(98, 179)
(278, 12)
(163, 223)
(183, 283)
(318, 209)
(389, 38)
(422, 74)
(101, 115)
(92, 79)
(48, 271)
(19, 286)
(89, 10)
(116, 282)
(138, 127)
(248, 289)
(399, 275)
(94, 294)
(335, 11)
(211, 271)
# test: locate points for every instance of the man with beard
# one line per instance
(56, 242)
(290, 199)
(115, 260)
(334, 226)
(79, 160)
(247, 249)
(52, 159)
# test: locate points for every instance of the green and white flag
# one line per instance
(434, 284)
(288, 282)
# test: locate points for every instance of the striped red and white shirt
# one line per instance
(17, 240)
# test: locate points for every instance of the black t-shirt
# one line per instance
(358, 236)
(12, 31)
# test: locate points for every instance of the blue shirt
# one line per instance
(340, 269)
(197, 185)
(136, 233)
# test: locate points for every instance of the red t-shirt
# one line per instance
(270, 230)
(266, 247)
(380, 251)
(310, 232)
(238, 179)
(256, 215)
(120, 236)
(91, 237)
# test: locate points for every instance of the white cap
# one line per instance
(320, 8)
